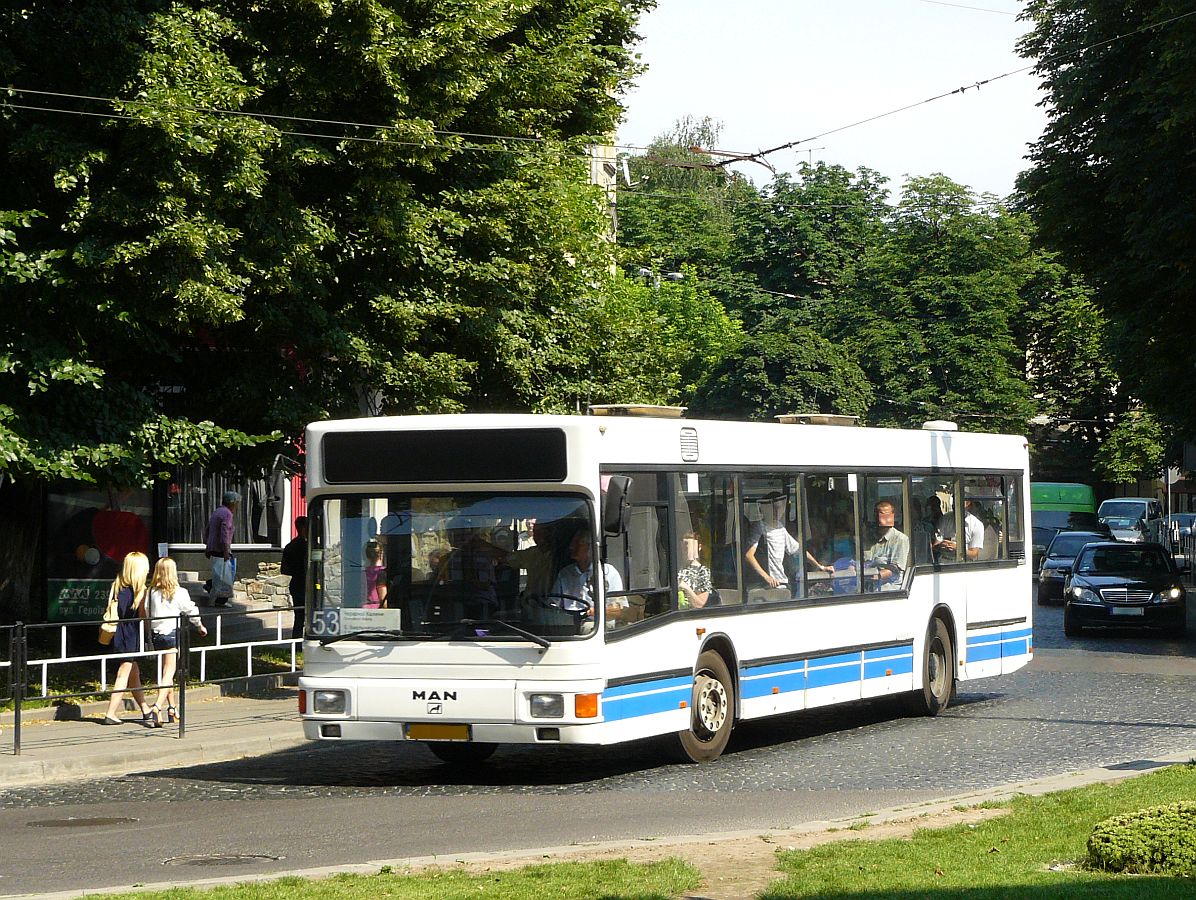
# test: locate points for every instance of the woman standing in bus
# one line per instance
(168, 602)
(375, 575)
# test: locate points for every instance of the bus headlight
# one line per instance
(547, 706)
(328, 703)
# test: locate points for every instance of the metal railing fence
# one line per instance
(54, 646)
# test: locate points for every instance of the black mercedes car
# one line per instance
(1124, 585)
(1058, 559)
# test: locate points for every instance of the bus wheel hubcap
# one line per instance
(711, 706)
(936, 667)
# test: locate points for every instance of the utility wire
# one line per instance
(999, 12)
(273, 116)
(760, 154)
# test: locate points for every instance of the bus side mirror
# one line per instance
(615, 503)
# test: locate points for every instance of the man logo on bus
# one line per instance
(433, 695)
(435, 709)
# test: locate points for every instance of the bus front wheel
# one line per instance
(462, 754)
(938, 673)
(713, 711)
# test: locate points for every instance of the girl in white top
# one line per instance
(167, 602)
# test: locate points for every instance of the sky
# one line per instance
(775, 71)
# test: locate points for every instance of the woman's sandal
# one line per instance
(172, 714)
(151, 719)
(112, 720)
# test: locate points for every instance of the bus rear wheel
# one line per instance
(938, 673)
(712, 714)
(462, 754)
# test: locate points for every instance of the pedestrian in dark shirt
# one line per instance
(294, 563)
(219, 548)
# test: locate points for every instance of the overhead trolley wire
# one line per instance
(759, 155)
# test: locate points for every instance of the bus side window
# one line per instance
(641, 556)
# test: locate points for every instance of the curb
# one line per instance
(31, 772)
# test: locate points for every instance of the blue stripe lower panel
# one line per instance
(1014, 642)
(773, 678)
(628, 701)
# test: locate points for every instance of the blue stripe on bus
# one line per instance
(998, 645)
(641, 687)
(645, 698)
(666, 694)
(901, 665)
(787, 680)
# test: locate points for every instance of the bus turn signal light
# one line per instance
(585, 706)
(302, 702)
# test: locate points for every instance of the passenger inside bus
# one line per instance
(887, 559)
(375, 575)
(770, 546)
(695, 588)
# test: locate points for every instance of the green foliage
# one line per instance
(611, 879)
(1134, 446)
(789, 368)
(1030, 851)
(638, 342)
(809, 235)
(931, 313)
(1071, 374)
(1158, 839)
(185, 279)
(1113, 176)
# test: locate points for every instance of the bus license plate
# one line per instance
(1128, 611)
(432, 732)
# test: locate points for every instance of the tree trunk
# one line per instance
(22, 522)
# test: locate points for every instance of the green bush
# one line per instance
(1160, 839)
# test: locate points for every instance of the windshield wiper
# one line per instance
(489, 623)
(392, 633)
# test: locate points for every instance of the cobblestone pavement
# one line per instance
(1103, 700)
(1031, 724)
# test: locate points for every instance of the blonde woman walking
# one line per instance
(167, 603)
(129, 590)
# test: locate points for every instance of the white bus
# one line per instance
(750, 570)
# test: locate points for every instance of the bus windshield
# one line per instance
(454, 566)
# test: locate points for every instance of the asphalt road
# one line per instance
(1097, 701)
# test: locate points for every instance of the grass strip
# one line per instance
(1036, 850)
(608, 879)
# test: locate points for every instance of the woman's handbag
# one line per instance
(108, 626)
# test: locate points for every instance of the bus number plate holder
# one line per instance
(426, 731)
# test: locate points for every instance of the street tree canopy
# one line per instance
(1113, 177)
(211, 254)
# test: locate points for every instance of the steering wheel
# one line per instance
(565, 603)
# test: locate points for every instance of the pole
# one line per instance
(17, 656)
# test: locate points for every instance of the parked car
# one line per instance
(1048, 524)
(1130, 530)
(1119, 584)
(1058, 560)
(1181, 530)
(1135, 509)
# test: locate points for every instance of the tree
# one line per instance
(1113, 176)
(807, 236)
(185, 276)
(786, 368)
(641, 342)
(931, 312)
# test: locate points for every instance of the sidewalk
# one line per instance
(248, 717)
